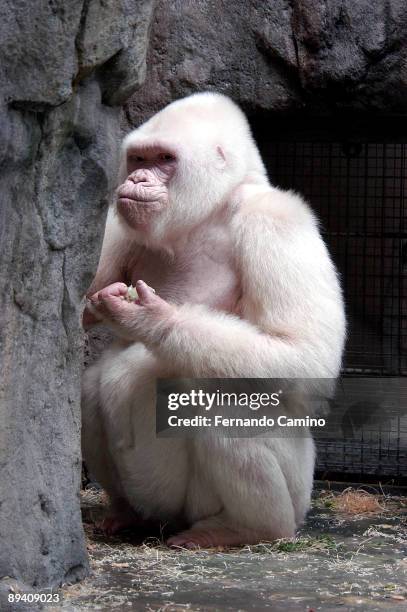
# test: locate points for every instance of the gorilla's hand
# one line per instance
(128, 319)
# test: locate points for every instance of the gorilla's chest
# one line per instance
(203, 271)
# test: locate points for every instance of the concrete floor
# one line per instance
(343, 559)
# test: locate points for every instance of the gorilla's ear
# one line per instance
(221, 157)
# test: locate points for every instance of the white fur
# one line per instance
(225, 226)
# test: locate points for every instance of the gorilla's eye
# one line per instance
(136, 158)
(167, 157)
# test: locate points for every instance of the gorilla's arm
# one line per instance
(115, 252)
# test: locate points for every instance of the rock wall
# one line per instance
(64, 68)
(279, 55)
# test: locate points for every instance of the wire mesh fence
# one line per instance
(357, 185)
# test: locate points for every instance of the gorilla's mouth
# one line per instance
(143, 200)
(142, 193)
(140, 201)
(136, 212)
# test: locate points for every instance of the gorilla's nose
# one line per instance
(140, 176)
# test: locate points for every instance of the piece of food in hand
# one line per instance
(132, 294)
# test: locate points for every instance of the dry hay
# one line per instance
(354, 501)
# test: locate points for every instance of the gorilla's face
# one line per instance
(144, 193)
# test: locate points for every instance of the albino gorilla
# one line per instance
(244, 288)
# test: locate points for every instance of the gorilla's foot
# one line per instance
(114, 523)
(120, 516)
(212, 537)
